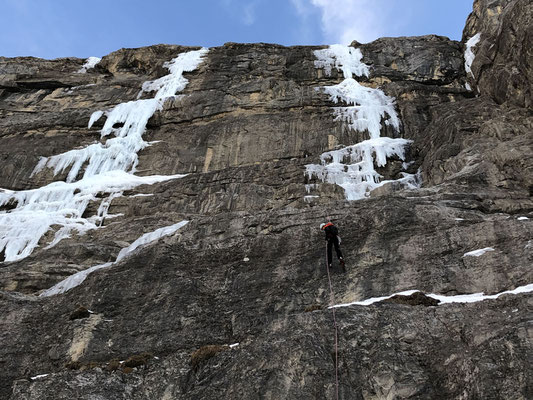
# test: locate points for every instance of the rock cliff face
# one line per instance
(234, 304)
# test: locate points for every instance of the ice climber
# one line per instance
(333, 239)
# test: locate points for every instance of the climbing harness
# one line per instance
(332, 303)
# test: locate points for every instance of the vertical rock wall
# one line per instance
(234, 304)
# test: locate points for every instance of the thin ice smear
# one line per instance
(76, 279)
(469, 54)
(353, 167)
(98, 168)
(150, 237)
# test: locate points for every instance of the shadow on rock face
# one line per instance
(415, 299)
(204, 353)
(79, 313)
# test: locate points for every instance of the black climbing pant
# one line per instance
(334, 242)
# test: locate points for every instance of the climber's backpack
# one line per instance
(331, 231)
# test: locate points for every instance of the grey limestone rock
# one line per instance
(235, 304)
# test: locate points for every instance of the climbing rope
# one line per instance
(332, 303)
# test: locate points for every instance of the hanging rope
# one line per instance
(332, 303)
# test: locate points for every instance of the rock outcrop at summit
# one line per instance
(234, 304)
(503, 66)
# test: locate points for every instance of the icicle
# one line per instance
(95, 116)
(60, 204)
(352, 167)
(344, 58)
(368, 107)
(104, 168)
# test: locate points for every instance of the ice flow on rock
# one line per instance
(352, 167)
(104, 168)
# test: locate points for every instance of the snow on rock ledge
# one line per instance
(76, 279)
(352, 167)
(479, 252)
(89, 63)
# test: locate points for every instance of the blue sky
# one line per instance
(83, 28)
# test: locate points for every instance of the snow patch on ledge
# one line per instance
(142, 195)
(352, 167)
(76, 279)
(89, 64)
(477, 253)
(469, 54)
(462, 298)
